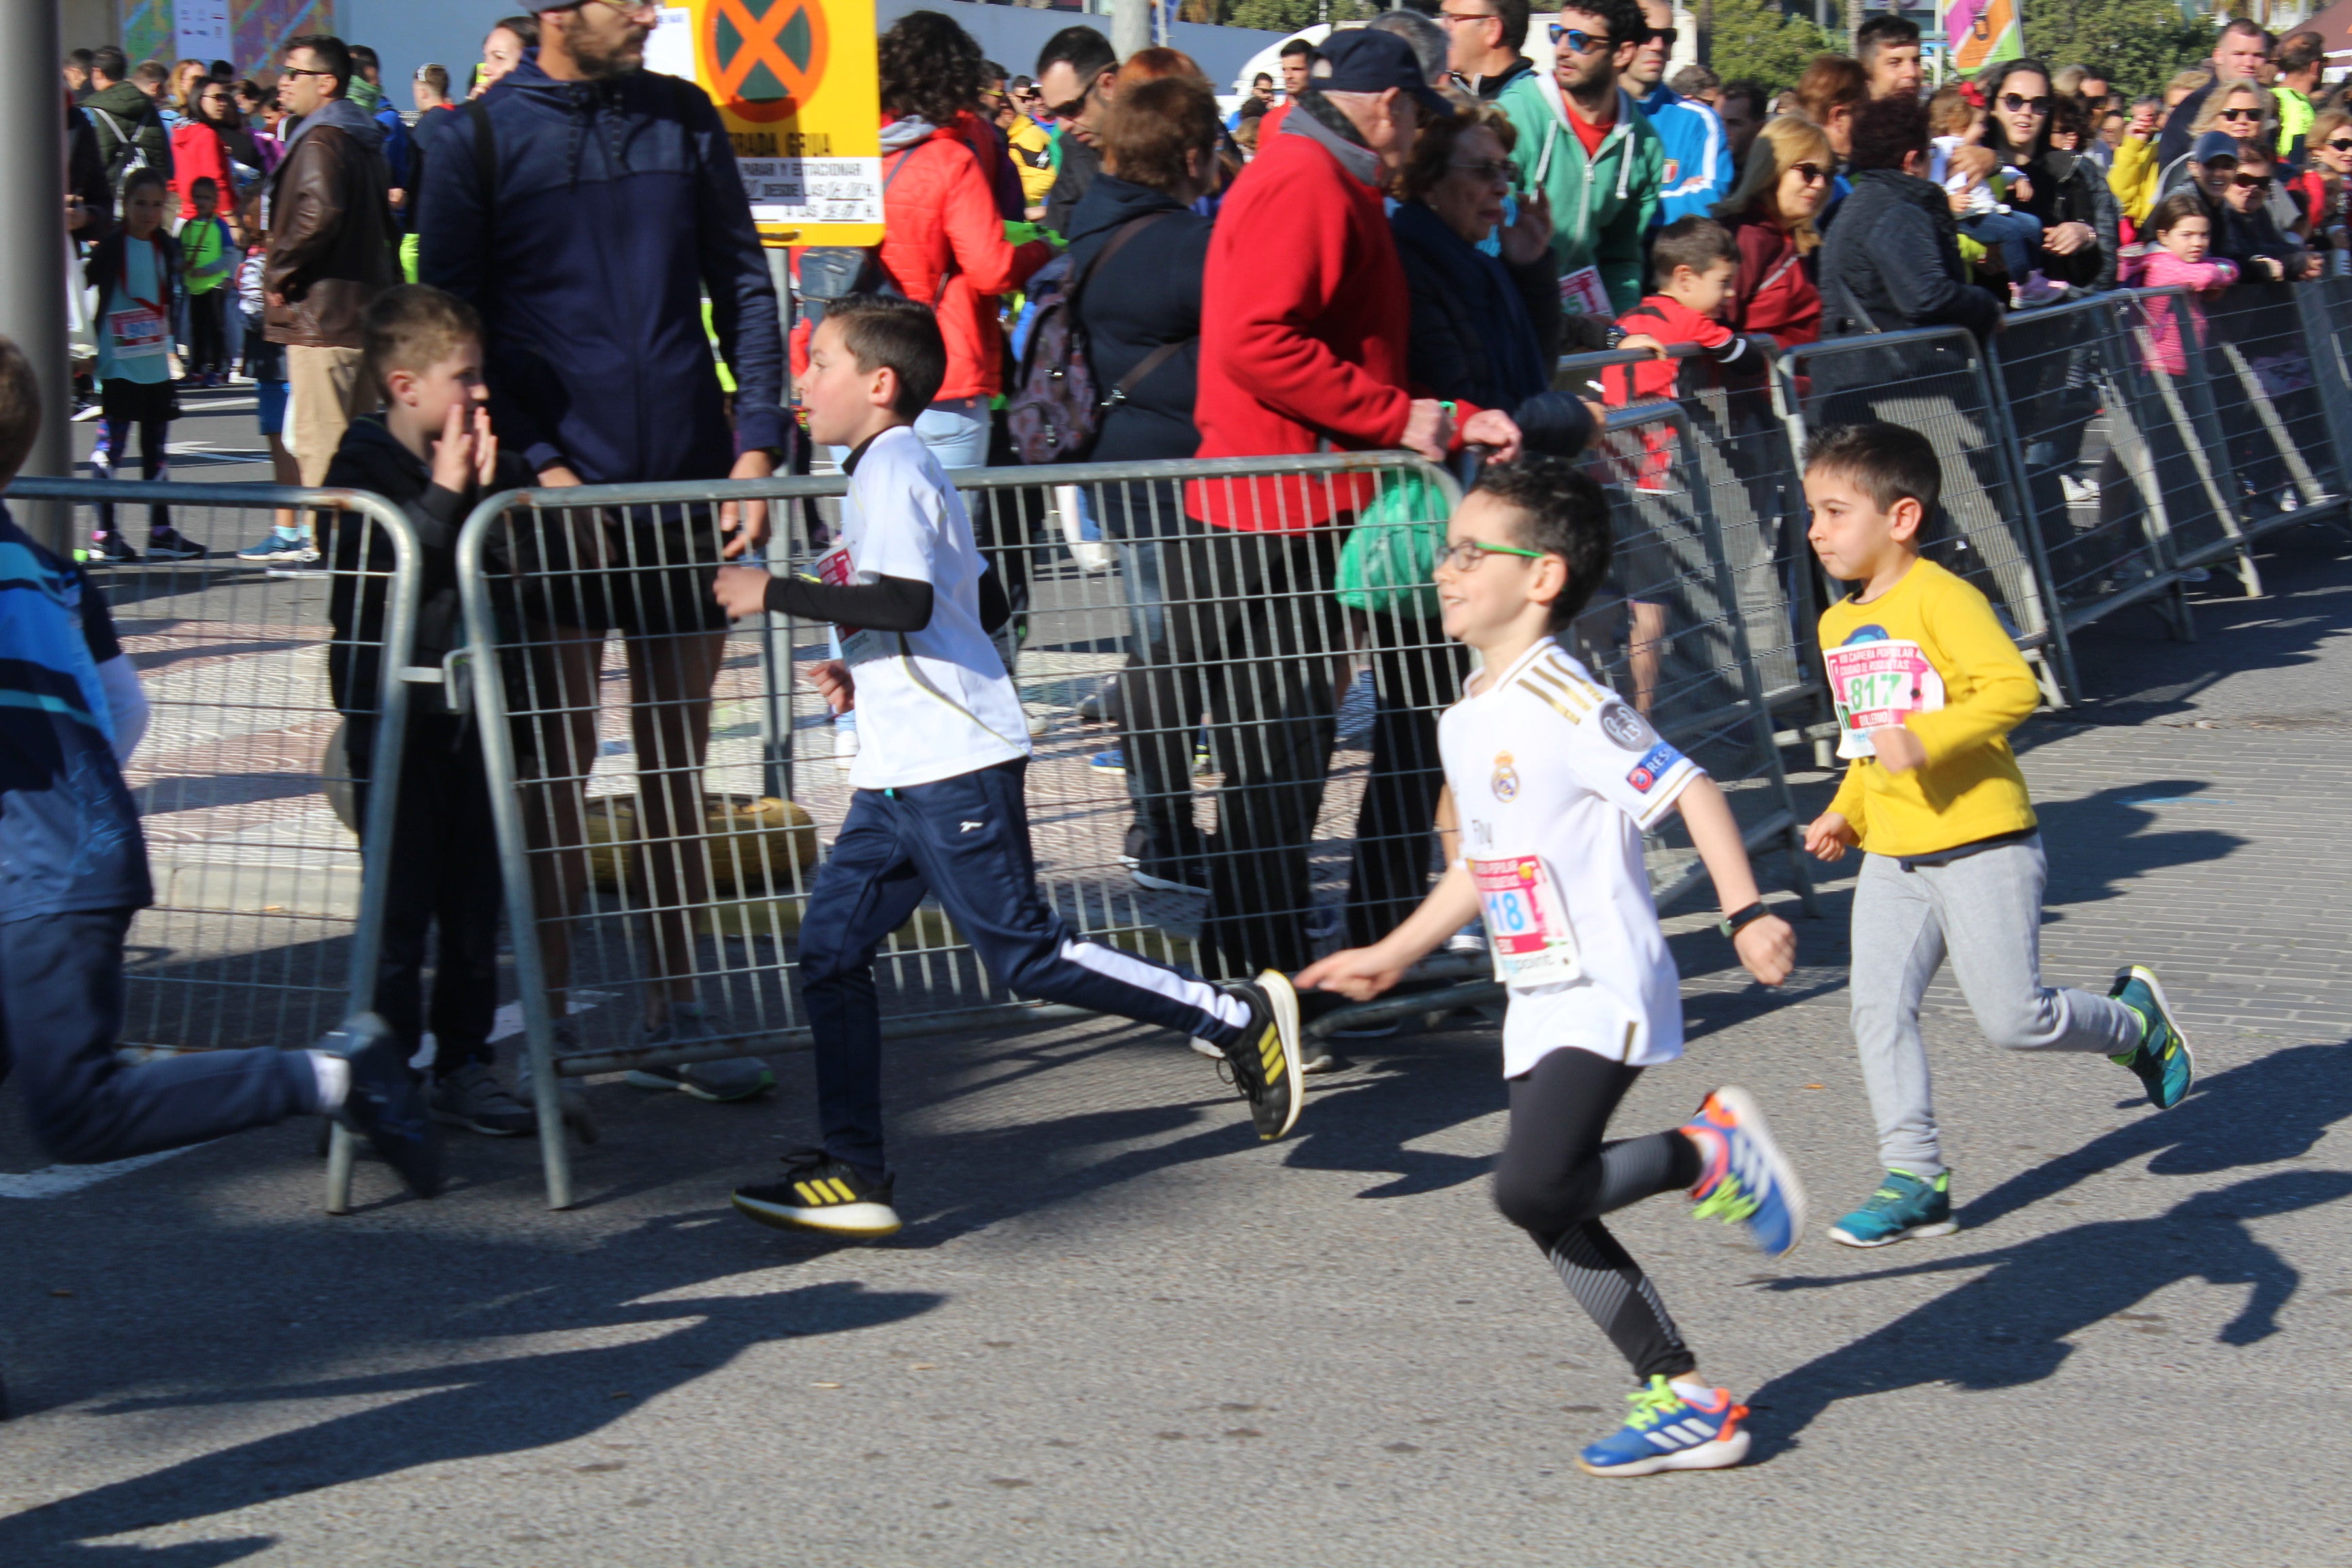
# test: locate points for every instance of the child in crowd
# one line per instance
(73, 872)
(1692, 264)
(1971, 184)
(208, 257)
(2184, 234)
(430, 453)
(136, 273)
(938, 803)
(1926, 687)
(1552, 781)
(289, 543)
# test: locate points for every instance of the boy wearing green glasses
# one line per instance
(1552, 779)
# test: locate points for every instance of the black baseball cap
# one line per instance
(1361, 61)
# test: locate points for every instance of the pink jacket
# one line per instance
(2159, 269)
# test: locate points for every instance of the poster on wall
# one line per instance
(795, 81)
(249, 34)
(201, 29)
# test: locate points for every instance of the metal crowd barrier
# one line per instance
(264, 932)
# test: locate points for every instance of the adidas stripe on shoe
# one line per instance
(1669, 1432)
(821, 1193)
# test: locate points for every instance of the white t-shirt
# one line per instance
(934, 703)
(1554, 779)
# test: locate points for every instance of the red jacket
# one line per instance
(1774, 293)
(1304, 338)
(196, 150)
(1670, 321)
(940, 222)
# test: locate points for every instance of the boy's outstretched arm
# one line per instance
(1767, 946)
(1362, 973)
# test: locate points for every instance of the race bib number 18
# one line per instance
(1527, 925)
(834, 568)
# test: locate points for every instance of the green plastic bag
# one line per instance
(1390, 559)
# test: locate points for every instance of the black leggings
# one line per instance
(1557, 1178)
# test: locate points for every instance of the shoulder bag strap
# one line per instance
(486, 152)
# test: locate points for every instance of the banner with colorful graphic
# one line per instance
(1980, 32)
(795, 82)
(249, 34)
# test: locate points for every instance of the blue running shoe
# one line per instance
(1903, 1205)
(2162, 1058)
(1746, 1178)
(1668, 1432)
(1111, 762)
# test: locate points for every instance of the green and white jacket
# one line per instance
(1601, 208)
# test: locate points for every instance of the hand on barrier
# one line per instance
(1829, 835)
(1642, 342)
(1428, 429)
(1766, 948)
(1494, 429)
(834, 684)
(558, 477)
(746, 521)
(1899, 750)
(740, 591)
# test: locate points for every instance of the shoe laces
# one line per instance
(805, 1161)
(1727, 1201)
(1652, 1404)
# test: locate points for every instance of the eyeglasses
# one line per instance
(1492, 170)
(2240, 114)
(292, 71)
(1576, 40)
(1448, 18)
(1812, 174)
(1465, 556)
(650, 9)
(2016, 103)
(2251, 182)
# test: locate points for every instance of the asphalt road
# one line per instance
(1116, 1330)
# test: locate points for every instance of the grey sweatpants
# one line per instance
(1984, 910)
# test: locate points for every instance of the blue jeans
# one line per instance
(965, 838)
(60, 1019)
(2017, 236)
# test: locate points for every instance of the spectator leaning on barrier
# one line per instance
(2247, 233)
(1077, 71)
(1770, 215)
(2063, 190)
(130, 131)
(2240, 53)
(1304, 349)
(1888, 47)
(1591, 153)
(1483, 38)
(330, 248)
(1697, 173)
(1142, 250)
(1893, 260)
(585, 208)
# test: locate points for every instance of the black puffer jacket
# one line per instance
(2069, 188)
(1146, 296)
(1893, 261)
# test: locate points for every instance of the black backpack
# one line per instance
(1054, 413)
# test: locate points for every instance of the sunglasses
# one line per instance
(2017, 102)
(1576, 40)
(1812, 174)
(1492, 170)
(1073, 109)
(2344, 146)
(2251, 182)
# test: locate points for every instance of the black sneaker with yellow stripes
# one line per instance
(1266, 1059)
(821, 1193)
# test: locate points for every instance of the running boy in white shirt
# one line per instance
(1552, 779)
(938, 806)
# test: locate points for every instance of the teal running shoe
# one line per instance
(1668, 1432)
(1744, 1178)
(1903, 1205)
(2162, 1060)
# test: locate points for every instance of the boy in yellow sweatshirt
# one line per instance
(1926, 687)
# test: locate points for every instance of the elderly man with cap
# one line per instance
(1304, 347)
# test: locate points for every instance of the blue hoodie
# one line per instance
(1698, 160)
(617, 207)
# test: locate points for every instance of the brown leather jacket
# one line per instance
(331, 240)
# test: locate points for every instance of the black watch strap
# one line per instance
(1729, 924)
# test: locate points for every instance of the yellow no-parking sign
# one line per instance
(794, 82)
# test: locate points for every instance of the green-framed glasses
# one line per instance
(1465, 556)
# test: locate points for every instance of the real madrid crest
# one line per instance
(1507, 778)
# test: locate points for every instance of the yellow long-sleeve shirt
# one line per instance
(2133, 177)
(1930, 654)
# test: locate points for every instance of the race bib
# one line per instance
(1581, 291)
(1527, 924)
(138, 333)
(834, 568)
(1876, 684)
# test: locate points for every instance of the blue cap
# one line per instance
(2212, 145)
(1361, 61)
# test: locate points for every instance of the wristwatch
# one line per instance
(1729, 924)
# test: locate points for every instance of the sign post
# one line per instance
(796, 85)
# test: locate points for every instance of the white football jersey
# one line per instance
(1554, 779)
